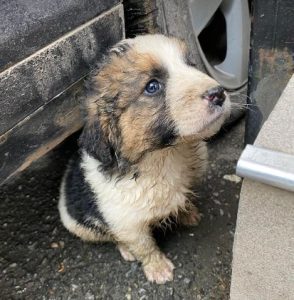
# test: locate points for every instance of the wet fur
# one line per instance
(140, 155)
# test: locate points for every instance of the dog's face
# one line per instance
(146, 97)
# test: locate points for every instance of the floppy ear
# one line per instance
(96, 144)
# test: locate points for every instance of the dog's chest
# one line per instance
(160, 190)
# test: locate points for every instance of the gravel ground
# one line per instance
(39, 259)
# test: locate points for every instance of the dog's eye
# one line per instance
(152, 87)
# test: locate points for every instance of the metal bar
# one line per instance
(267, 166)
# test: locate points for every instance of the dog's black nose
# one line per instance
(215, 95)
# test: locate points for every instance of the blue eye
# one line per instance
(152, 87)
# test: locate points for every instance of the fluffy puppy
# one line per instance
(142, 148)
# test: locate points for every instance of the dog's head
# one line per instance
(146, 96)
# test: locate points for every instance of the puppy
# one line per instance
(142, 148)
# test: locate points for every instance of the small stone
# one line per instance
(170, 291)
(221, 212)
(218, 251)
(89, 296)
(54, 245)
(187, 281)
(128, 296)
(142, 291)
(61, 244)
(13, 265)
(216, 202)
(215, 194)
(232, 178)
(191, 234)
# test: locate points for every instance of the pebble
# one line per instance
(221, 212)
(187, 281)
(89, 296)
(216, 202)
(218, 251)
(54, 245)
(171, 291)
(232, 178)
(142, 291)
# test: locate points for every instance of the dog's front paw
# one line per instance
(159, 269)
(191, 217)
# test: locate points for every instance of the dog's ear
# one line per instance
(94, 141)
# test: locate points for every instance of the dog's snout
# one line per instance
(215, 95)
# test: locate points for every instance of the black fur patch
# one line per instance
(95, 143)
(80, 200)
(165, 133)
(163, 129)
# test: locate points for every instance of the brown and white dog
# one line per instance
(142, 148)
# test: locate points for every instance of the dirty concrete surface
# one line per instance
(39, 259)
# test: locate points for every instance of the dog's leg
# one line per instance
(157, 267)
(190, 216)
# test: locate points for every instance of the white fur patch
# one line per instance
(160, 190)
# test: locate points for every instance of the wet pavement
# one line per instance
(39, 259)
